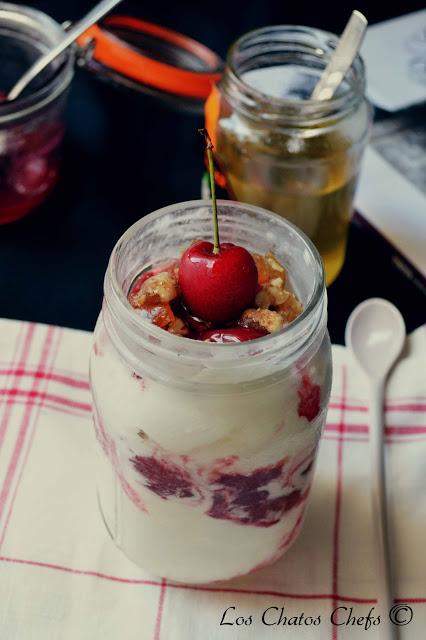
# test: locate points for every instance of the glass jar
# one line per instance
(32, 126)
(205, 452)
(279, 149)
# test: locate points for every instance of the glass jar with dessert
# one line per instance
(210, 375)
(279, 149)
(125, 51)
(32, 126)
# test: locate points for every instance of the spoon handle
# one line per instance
(387, 631)
(95, 14)
(342, 58)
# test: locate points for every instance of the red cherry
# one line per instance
(228, 336)
(217, 287)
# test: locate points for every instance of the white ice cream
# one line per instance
(175, 536)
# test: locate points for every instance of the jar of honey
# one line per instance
(279, 149)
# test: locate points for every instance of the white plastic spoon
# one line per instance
(375, 333)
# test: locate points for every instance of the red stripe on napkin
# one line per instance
(47, 346)
(24, 355)
(338, 502)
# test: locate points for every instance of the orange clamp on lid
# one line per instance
(193, 79)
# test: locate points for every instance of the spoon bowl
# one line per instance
(375, 333)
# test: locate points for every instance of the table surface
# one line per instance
(126, 155)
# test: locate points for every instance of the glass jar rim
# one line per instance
(297, 109)
(25, 105)
(290, 338)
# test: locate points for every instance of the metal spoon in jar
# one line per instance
(375, 333)
(70, 36)
(345, 53)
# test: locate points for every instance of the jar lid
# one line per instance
(152, 59)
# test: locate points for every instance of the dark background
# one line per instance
(127, 154)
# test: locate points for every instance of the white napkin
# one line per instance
(62, 578)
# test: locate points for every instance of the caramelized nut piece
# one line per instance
(178, 327)
(264, 299)
(161, 315)
(276, 270)
(290, 308)
(278, 295)
(261, 319)
(158, 289)
(272, 278)
(272, 294)
(269, 269)
(262, 269)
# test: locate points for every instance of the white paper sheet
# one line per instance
(395, 55)
(394, 206)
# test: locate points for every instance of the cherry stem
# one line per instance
(209, 150)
